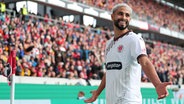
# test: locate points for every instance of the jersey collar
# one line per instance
(115, 39)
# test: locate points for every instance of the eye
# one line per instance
(127, 15)
(120, 13)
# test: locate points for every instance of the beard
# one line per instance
(121, 27)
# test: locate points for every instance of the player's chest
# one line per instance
(117, 51)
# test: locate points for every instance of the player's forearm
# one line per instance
(102, 85)
(150, 72)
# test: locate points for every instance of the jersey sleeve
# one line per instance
(138, 47)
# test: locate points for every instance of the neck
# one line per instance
(118, 33)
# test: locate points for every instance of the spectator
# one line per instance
(81, 95)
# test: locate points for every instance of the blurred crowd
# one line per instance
(63, 49)
(53, 49)
(168, 61)
(147, 10)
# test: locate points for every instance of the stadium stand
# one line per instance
(147, 10)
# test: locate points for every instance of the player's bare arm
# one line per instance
(150, 72)
(97, 92)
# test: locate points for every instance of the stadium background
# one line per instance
(64, 90)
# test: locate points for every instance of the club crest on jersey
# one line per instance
(120, 48)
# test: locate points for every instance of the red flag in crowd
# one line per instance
(12, 61)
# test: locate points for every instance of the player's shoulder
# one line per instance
(133, 36)
(110, 40)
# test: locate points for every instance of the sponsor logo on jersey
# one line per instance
(114, 66)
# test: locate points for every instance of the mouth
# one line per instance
(122, 23)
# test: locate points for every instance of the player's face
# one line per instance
(121, 18)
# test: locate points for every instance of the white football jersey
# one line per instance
(123, 72)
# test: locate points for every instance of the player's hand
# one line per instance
(162, 90)
(93, 98)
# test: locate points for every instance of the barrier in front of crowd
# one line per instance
(30, 90)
